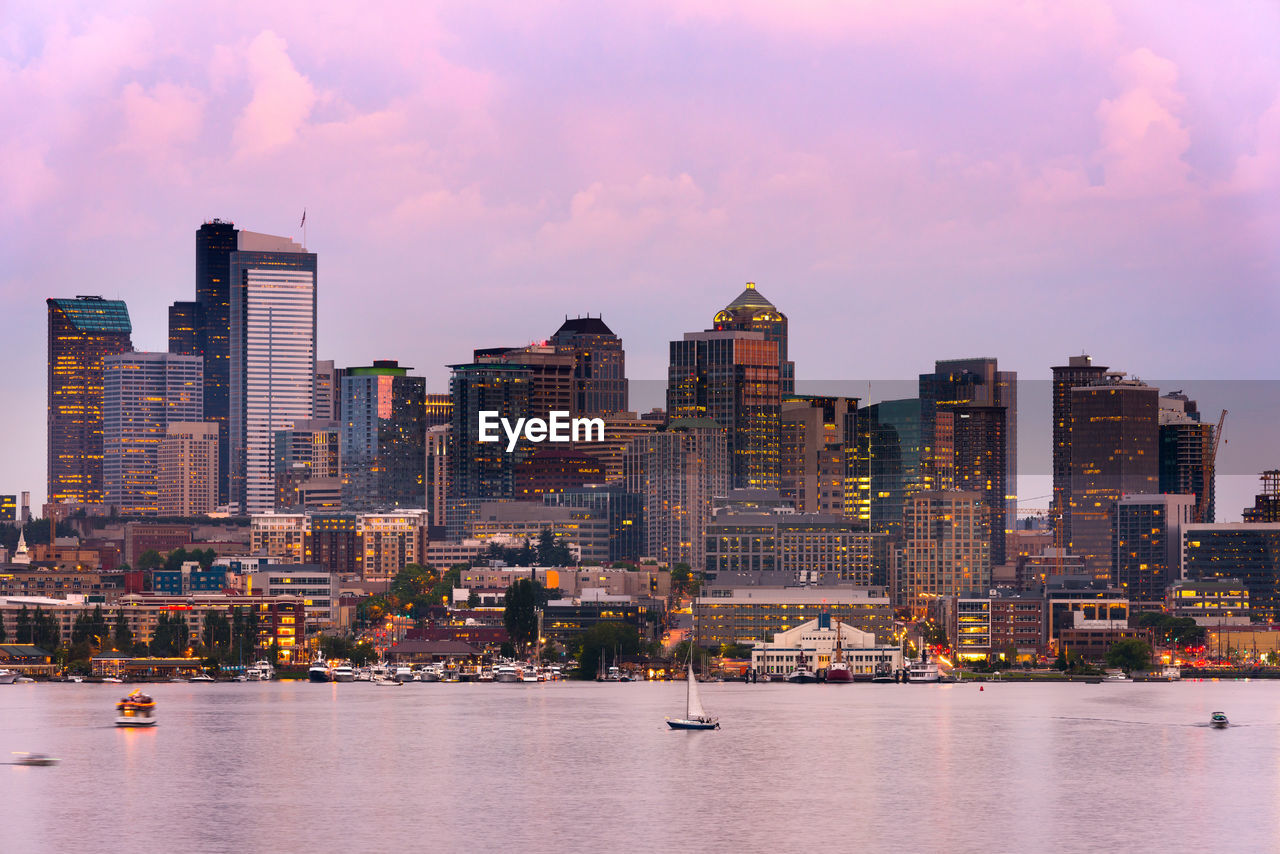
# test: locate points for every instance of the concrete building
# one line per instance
(1078, 372)
(622, 511)
(272, 358)
(810, 547)
(815, 441)
(728, 611)
(999, 622)
(1146, 543)
(188, 469)
(815, 641)
(282, 536)
(1211, 603)
(945, 547)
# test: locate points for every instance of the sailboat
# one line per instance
(695, 717)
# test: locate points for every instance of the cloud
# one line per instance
(282, 98)
(1143, 138)
(160, 118)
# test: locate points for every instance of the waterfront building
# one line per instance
(732, 610)
(622, 510)
(1211, 603)
(383, 437)
(273, 356)
(1266, 505)
(731, 378)
(306, 456)
(82, 331)
(1001, 622)
(1079, 371)
(142, 394)
(309, 582)
(1187, 454)
(751, 312)
(187, 476)
(677, 473)
(281, 620)
(1249, 552)
(1114, 452)
(599, 377)
(815, 640)
(1146, 543)
(1084, 613)
(945, 548)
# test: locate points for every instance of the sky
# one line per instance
(907, 182)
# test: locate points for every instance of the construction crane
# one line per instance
(1207, 471)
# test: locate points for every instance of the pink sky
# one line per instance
(906, 181)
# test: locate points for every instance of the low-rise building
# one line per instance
(281, 619)
(815, 640)
(1211, 603)
(317, 589)
(728, 611)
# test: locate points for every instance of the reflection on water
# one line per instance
(588, 767)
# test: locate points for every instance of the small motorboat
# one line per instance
(384, 682)
(136, 709)
(203, 677)
(114, 680)
(1218, 720)
(34, 760)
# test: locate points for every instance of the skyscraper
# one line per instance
(1079, 371)
(1146, 543)
(977, 464)
(142, 394)
(946, 547)
(188, 469)
(81, 332)
(273, 353)
(186, 321)
(751, 312)
(328, 390)
(1114, 452)
(888, 454)
(677, 473)
(1266, 504)
(383, 416)
(814, 435)
(599, 365)
(306, 462)
(1187, 454)
(731, 377)
(483, 471)
(215, 241)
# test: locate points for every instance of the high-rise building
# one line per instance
(1146, 544)
(439, 410)
(888, 458)
(957, 383)
(1079, 371)
(483, 471)
(976, 439)
(599, 365)
(142, 394)
(551, 382)
(751, 312)
(391, 540)
(215, 241)
(555, 469)
(677, 473)
(383, 437)
(185, 323)
(273, 357)
(437, 473)
(1266, 504)
(815, 435)
(732, 378)
(623, 511)
(1114, 452)
(328, 391)
(305, 454)
(1249, 552)
(81, 332)
(188, 468)
(946, 547)
(1186, 454)
(335, 542)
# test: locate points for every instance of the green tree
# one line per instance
(1060, 663)
(22, 627)
(683, 580)
(362, 653)
(520, 615)
(149, 560)
(606, 641)
(551, 551)
(1130, 654)
(122, 637)
(176, 558)
(216, 633)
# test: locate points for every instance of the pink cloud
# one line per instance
(282, 98)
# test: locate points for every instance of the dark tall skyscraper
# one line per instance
(732, 378)
(1186, 454)
(888, 458)
(383, 414)
(977, 441)
(599, 365)
(81, 332)
(185, 325)
(751, 312)
(215, 241)
(1079, 371)
(483, 471)
(1115, 439)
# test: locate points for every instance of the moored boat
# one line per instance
(506, 673)
(922, 671)
(838, 671)
(136, 709)
(344, 672)
(319, 671)
(802, 675)
(8, 677)
(403, 673)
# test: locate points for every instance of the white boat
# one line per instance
(384, 682)
(695, 717)
(8, 677)
(77, 678)
(802, 675)
(506, 673)
(1117, 676)
(485, 675)
(344, 672)
(427, 673)
(403, 673)
(203, 677)
(261, 671)
(112, 679)
(319, 671)
(922, 671)
(136, 709)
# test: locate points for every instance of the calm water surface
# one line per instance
(589, 767)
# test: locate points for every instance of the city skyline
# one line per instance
(1135, 187)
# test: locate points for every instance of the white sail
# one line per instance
(695, 710)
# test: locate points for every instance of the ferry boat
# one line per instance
(136, 710)
(922, 671)
(344, 672)
(319, 671)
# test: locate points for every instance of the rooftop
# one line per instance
(94, 314)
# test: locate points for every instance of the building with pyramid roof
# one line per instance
(752, 312)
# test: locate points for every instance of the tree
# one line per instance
(520, 615)
(149, 560)
(23, 627)
(606, 641)
(363, 653)
(1060, 663)
(551, 551)
(1130, 654)
(683, 580)
(4, 635)
(122, 637)
(216, 633)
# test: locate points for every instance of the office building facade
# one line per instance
(383, 437)
(599, 365)
(1146, 543)
(946, 548)
(188, 468)
(751, 312)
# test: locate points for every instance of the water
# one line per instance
(570, 767)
